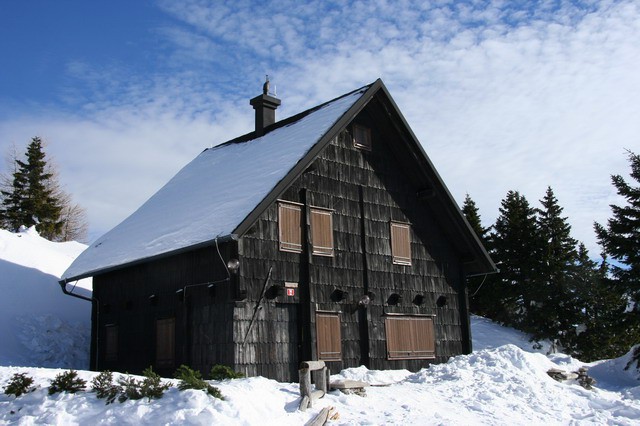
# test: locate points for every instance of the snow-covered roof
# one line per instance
(212, 194)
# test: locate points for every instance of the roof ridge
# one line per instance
(289, 120)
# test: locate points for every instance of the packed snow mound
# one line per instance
(501, 386)
(39, 325)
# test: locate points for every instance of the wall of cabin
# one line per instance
(250, 322)
(193, 288)
(366, 190)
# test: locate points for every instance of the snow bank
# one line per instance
(501, 386)
(487, 334)
(39, 325)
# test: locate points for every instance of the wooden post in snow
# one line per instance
(304, 373)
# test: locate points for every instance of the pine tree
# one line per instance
(471, 213)
(12, 213)
(620, 240)
(515, 247)
(553, 313)
(30, 200)
(599, 332)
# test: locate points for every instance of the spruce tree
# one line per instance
(515, 247)
(12, 212)
(599, 333)
(31, 201)
(620, 240)
(553, 313)
(471, 213)
(621, 237)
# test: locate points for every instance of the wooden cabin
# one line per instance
(325, 236)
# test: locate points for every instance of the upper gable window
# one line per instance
(362, 137)
(321, 231)
(401, 243)
(289, 226)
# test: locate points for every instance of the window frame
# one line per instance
(329, 343)
(288, 244)
(404, 257)
(367, 137)
(410, 336)
(165, 344)
(316, 248)
(111, 342)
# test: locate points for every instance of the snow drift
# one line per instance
(39, 325)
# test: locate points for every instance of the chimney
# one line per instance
(265, 107)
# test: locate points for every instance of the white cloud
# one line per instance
(502, 95)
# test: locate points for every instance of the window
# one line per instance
(401, 243)
(322, 231)
(361, 137)
(410, 337)
(328, 336)
(290, 230)
(111, 343)
(165, 342)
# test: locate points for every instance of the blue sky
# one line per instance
(502, 95)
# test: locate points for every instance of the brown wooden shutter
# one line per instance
(322, 231)
(290, 230)
(401, 243)
(410, 337)
(165, 342)
(111, 343)
(328, 335)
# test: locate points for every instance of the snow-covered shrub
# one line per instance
(222, 372)
(67, 381)
(192, 379)
(130, 389)
(19, 384)
(104, 387)
(150, 387)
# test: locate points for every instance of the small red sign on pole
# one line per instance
(291, 292)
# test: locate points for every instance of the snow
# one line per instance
(39, 325)
(487, 334)
(503, 382)
(211, 195)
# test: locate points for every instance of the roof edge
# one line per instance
(93, 273)
(453, 210)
